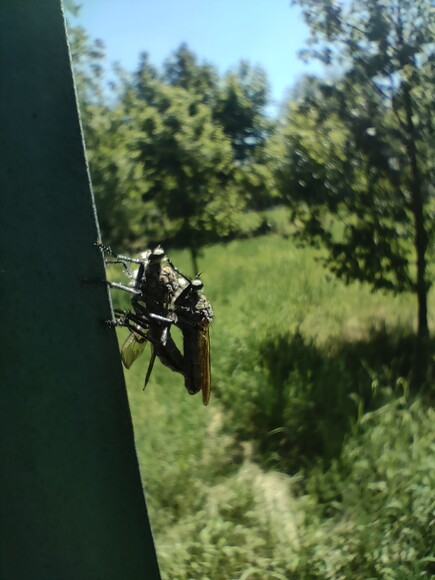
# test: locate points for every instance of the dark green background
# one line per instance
(71, 498)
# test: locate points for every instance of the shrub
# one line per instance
(371, 515)
(376, 504)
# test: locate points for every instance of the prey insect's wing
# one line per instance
(132, 348)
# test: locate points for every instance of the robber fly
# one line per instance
(161, 297)
(194, 315)
(153, 292)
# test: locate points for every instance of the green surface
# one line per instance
(71, 499)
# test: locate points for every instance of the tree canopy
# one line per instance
(178, 153)
(360, 147)
(175, 153)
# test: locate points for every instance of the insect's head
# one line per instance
(157, 255)
(197, 284)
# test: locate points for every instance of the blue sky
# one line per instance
(222, 32)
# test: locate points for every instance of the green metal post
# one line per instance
(72, 505)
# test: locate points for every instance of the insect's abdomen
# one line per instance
(170, 355)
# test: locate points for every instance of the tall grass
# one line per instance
(298, 361)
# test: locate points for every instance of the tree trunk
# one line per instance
(422, 346)
(417, 197)
(420, 236)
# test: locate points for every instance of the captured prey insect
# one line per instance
(163, 297)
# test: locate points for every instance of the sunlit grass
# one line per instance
(204, 490)
(259, 288)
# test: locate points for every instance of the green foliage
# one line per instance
(298, 358)
(377, 502)
(240, 532)
(370, 516)
(88, 62)
(365, 153)
(107, 136)
(185, 160)
(240, 109)
(215, 512)
(182, 70)
(175, 154)
(329, 177)
(302, 364)
(114, 177)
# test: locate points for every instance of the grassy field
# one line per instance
(313, 459)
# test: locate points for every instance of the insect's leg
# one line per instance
(160, 318)
(164, 336)
(107, 251)
(125, 261)
(120, 319)
(189, 280)
(142, 311)
(118, 286)
(129, 259)
(104, 249)
(130, 321)
(118, 258)
(143, 322)
(174, 267)
(127, 269)
(150, 366)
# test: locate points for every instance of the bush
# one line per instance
(247, 529)
(372, 515)
(304, 398)
(376, 504)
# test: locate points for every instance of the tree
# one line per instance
(107, 135)
(182, 70)
(186, 163)
(174, 153)
(360, 148)
(87, 58)
(116, 180)
(240, 109)
(145, 79)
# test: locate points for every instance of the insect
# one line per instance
(163, 297)
(194, 314)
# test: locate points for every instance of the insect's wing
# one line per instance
(132, 348)
(205, 373)
(150, 366)
(197, 369)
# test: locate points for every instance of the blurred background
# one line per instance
(285, 151)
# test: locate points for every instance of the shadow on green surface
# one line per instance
(317, 394)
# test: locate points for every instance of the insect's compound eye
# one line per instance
(197, 284)
(157, 254)
(145, 255)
